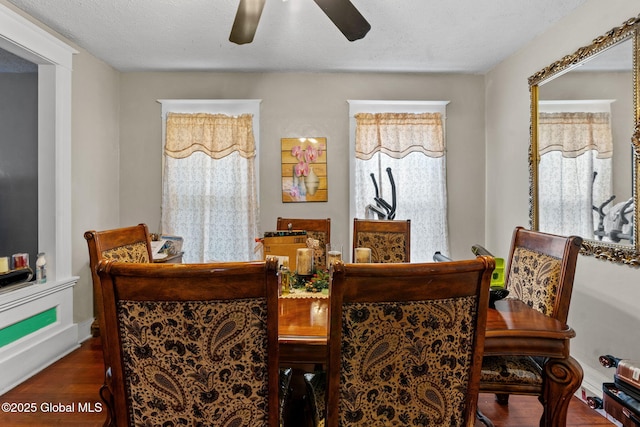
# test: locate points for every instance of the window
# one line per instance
(210, 187)
(407, 139)
(575, 166)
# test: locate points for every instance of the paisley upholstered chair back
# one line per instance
(127, 244)
(318, 229)
(197, 343)
(135, 252)
(389, 240)
(534, 278)
(541, 271)
(406, 343)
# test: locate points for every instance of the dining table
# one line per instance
(513, 328)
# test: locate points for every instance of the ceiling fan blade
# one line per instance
(246, 22)
(346, 17)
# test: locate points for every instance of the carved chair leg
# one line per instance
(107, 398)
(561, 378)
(483, 418)
(502, 398)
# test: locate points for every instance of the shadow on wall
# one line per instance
(603, 329)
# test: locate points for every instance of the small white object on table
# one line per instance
(304, 261)
(363, 255)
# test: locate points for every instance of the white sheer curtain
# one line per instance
(573, 147)
(567, 194)
(209, 186)
(413, 146)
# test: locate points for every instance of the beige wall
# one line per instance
(95, 165)
(604, 309)
(117, 151)
(116, 142)
(304, 104)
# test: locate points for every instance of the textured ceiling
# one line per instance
(453, 36)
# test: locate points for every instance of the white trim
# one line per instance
(30, 354)
(84, 330)
(373, 106)
(197, 103)
(41, 348)
(592, 381)
(54, 59)
(576, 106)
(22, 38)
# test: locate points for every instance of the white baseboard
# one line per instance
(22, 365)
(37, 345)
(29, 361)
(592, 387)
(592, 382)
(84, 330)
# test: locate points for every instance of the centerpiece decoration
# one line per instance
(317, 282)
(308, 278)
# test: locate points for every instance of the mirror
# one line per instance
(585, 146)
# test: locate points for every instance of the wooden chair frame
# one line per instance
(102, 241)
(98, 243)
(382, 226)
(354, 283)
(564, 248)
(322, 225)
(186, 282)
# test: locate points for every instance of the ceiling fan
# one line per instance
(342, 13)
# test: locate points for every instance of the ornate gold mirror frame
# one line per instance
(628, 254)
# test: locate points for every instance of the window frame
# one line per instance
(573, 106)
(381, 106)
(230, 107)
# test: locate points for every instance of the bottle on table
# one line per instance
(41, 268)
(284, 277)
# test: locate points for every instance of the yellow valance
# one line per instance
(575, 133)
(216, 135)
(398, 134)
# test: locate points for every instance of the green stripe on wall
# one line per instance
(27, 326)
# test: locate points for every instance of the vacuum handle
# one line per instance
(479, 250)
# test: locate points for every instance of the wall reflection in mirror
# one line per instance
(585, 122)
(583, 176)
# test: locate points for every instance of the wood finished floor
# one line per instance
(75, 380)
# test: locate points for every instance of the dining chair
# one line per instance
(541, 270)
(389, 240)
(126, 244)
(405, 344)
(319, 229)
(194, 344)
